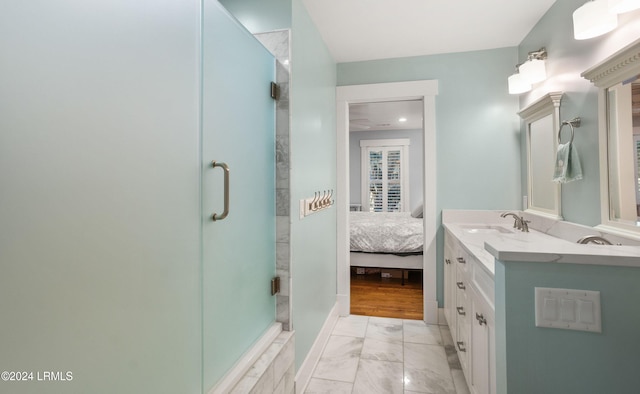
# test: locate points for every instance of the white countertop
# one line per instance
(505, 243)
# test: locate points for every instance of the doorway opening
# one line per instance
(385, 208)
(377, 196)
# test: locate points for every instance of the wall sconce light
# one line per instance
(518, 83)
(534, 68)
(530, 72)
(622, 6)
(593, 19)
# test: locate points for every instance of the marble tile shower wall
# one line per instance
(278, 43)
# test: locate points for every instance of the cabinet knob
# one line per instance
(480, 318)
(461, 285)
(461, 310)
(460, 346)
(461, 260)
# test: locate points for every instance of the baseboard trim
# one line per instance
(441, 319)
(239, 370)
(431, 312)
(343, 302)
(303, 376)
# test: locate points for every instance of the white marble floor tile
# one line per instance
(417, 331)
(339, 360)
(459, 382)
(375, 349)
(381, 355)
(351, 326)
(318, 386)
(384, 329)
(378, 377)
(447, 339)
(426, 369)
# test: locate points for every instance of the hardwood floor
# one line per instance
(372, 295)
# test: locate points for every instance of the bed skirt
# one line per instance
(375, 260)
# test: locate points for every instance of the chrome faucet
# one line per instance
(519, 221)
(594, 239)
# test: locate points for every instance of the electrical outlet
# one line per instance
(386, 275)
(359, 270)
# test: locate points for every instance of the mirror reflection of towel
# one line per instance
(567, 166)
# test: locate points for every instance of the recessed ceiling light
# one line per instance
(402, 119)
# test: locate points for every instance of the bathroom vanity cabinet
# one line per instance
(482, 250)
(469, 311)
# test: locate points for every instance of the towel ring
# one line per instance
(575, 122)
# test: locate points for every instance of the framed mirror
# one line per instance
(618, 82)
(542, 119)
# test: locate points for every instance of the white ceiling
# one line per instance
(385, 116)
(356, 30)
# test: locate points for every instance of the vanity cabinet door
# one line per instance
(449, 283)
(482, 340)
(463, 317)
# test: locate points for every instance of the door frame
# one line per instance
(426, 91)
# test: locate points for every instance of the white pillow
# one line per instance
(417, 211)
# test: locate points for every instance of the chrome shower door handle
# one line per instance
(225, 167)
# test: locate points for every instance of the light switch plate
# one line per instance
(568, 309)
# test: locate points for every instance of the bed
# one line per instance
(386, 240)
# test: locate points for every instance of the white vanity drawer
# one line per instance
(462, 346)
(462, 260)
(462, 305)
(483, 283)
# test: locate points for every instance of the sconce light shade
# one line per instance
(534, 71)
(621, 6)
(518, 84)
(593, 19)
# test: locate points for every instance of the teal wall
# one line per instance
(260, 16)
(546, 360)
(313, 162)
(567, 58)
(478, 139)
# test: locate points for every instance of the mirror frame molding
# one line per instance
(549, 104)
(618, 67)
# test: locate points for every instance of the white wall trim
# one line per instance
(342, 302)
(303, 376)
(441, 319)
(240, 369)
(389, 142)
(412, 90)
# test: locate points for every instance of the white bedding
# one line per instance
(385, 232)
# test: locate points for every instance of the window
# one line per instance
(385, 175)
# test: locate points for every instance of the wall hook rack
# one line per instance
(321, 200)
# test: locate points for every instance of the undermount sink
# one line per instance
(485, 229)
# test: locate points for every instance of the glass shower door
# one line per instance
(238, 127)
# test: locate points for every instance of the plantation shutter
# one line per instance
(385, 183)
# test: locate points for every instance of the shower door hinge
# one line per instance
(275, 92)
(275, 285)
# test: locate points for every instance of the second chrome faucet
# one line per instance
(519, 222)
